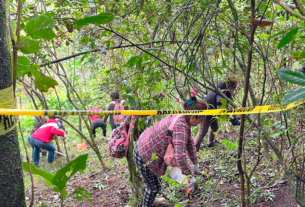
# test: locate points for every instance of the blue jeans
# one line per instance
(37, 145)
(43, 153)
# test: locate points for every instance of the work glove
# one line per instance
(196, 168)
(235, 121)
(190, 184)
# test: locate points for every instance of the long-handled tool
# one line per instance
(66, 151)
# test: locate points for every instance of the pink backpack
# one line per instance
(118, 119)
(119, 140)
(169, 157)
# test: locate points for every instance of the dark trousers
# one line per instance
(151, 181)
(209, 122)
(99, 123)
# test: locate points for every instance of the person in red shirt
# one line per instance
(42, 137)
(97, 122)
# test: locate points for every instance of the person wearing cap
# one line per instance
(41, 139)
(193, 93)
(115, 98)
(154, 140)
(214, 102)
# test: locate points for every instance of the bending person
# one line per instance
(40, 120)
(214, 101)
(154, 140)
(97, 122)
(42, 137)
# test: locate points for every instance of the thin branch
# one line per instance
(299, 7)
(288, 9)
(104, 50)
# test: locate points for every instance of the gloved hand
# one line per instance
(196, 168)
(190, 184)
(235, 121)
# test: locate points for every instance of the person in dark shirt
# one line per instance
(214, 101)
(97, 122)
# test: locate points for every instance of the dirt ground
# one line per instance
(111, 188)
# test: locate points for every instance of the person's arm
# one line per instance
(191, 149)
(63, 128)
(180, 139)
(110, 107)
(58, 132)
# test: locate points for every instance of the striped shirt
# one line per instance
(154, 140)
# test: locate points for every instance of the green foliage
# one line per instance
(295, 77)
(294, 95)
(23, 65)
(48, 177)
(28, 46)
(43, 83)
(103, 18)
(62, 176)
(229, 144)
(288, 37)
(41, 28)
(299, 55)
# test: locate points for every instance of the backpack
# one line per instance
(118, 119)
(119, 140)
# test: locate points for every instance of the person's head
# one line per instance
(114, 95)
(231, 82)
(193, 92)
(59, 121)
(195, 104)
(51, 117)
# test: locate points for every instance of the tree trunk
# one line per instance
(11, 176)
(58, 145)
(136, 183)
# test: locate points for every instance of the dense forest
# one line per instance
(152, 55)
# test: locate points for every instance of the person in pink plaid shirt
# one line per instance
(154, 141)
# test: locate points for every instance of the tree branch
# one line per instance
(288, 9)
(299, 7)
(104, 50)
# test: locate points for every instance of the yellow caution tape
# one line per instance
(236, 111)
(7, 122)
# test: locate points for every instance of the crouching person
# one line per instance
(41, 139)
(154, 140)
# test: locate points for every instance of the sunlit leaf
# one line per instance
(43, 83)
(28, 46)
(103, 18)
(23, 65)
(229, 144)
(41, 28)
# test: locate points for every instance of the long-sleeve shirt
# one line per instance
(47, 131)
(154, 141)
